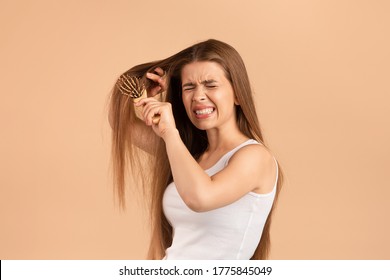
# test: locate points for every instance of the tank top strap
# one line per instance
(229, 154)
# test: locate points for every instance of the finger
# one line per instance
(158, 75)
(144, 101)
(159, 84)
(147, 108)
(138, 103)
(150, 112)
(160, 71)
(155, 90)
(154, 77)
(150, 108)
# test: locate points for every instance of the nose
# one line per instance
(199, 95)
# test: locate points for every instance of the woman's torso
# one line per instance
(229, 232)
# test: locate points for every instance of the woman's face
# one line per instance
(207, 95)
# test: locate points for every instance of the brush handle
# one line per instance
(156, 118)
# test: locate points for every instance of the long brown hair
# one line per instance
(153, 172)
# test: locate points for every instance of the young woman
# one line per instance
(211, 181)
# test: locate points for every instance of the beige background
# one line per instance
(320, 70)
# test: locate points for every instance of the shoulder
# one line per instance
(254, 152)
(261, 164)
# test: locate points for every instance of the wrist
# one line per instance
(170, 134)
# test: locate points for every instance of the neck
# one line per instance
(226, 138)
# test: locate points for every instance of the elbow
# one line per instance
(196, 203)
(195, 207)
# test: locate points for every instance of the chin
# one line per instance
(202, 126)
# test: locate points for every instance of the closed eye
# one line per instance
(210, 83)
(188, 88)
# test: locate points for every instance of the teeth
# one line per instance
(204, 111)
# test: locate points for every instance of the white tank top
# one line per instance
(230, 232)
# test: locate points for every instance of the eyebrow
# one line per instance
(188, 84)
(203, 82)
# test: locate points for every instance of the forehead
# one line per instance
(202, 70)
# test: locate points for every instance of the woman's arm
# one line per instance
(252, 168)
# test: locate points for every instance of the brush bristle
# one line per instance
(130, 85)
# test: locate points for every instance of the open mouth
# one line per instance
(203, 112)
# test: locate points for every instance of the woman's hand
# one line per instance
(158, 82)
(151, 109)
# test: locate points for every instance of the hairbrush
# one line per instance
(134, 87)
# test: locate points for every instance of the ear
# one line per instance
(236, 100)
